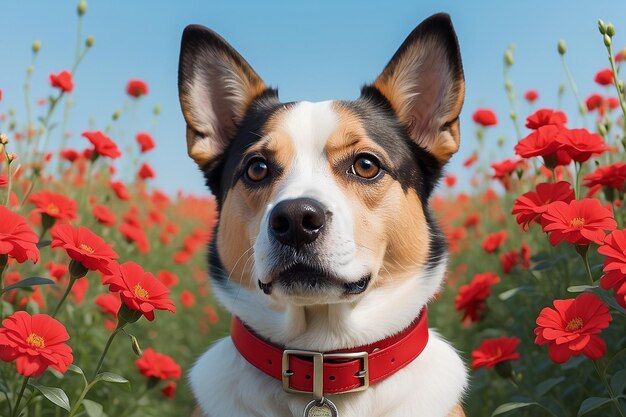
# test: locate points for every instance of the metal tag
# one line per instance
(321, 408)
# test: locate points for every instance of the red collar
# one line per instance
(334, 372)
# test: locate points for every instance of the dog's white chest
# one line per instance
(224, 384)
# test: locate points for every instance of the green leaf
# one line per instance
(29, 282)
(75, 369)
(618, 382)
(581, 288)
(43, 243)
(512, 292)
(547, 385)
(114, 379)
(504, 408)
(93, 408)
(3, 388)
(592, 403)
(56, 395)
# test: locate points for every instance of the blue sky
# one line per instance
(314, 50)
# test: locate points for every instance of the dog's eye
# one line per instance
(257, 170)
(366, 166)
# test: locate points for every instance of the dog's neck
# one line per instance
(381, 312)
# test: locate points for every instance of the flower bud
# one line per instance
(601, 26)
(513, 116)
(12, 156)
(607, 40)
(562, 89)
(561, 47)
(89, 41)
(610, 29)
(29, 69)
(157, 110)
(4, 139)
(116, 115)
(501, 140)
(508, 58)
(504, 369)
(77, 270)
(135, 344)
(82, 7)
(36, 46)
(602, 129)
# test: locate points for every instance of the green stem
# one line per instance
(80, 399)
(67, 292)
(19, 397)
(582, 109)
(582, 251)
(9, 178)
(4, 260)
(120, 325)
(578, 168)
(620, 94)
(608, 389)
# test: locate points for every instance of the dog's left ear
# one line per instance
(425, 86)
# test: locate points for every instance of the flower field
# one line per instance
(105, 301)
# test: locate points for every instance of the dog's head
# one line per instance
(321, 202)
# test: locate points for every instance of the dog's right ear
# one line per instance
(215, 86)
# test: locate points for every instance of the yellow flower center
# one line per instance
(140, 292)
(577, 222)
(86, 248)
(35, 340)
(52, 209)
(574, 324)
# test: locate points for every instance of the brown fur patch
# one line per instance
(245, 206)
(389, 224)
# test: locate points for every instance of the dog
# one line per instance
(325, 250)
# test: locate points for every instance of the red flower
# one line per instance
(169, 390)
(109, 303)
(169, 279)
(485, 117)
(56, 271)
(531, 205)
(146, 171)
(504, 170)
(612, 176)
(35, 343)
(137, 235)
(580, 145)
(471, 297)
(594, 101)
(493, 241)
(544, 117)
(103, 215)
(120, 190)
(493, 351)
(531, 96)
(471, 160)
(153, 364)
(543, 142)
(54, 205)
(508, 260)
(604, 77)
(103, 144)
(62, 81)
(84, 246)
(69, 155)
(16, 238)
(614, 248)
(187, 299)
(139, 289)
(145, 141)
(572, 328)
(450, 180)
(579, 221)
(136, 88)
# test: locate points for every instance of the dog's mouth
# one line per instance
(301, 279)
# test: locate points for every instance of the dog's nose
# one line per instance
(297, 222)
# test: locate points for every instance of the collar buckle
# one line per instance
(318, 370)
